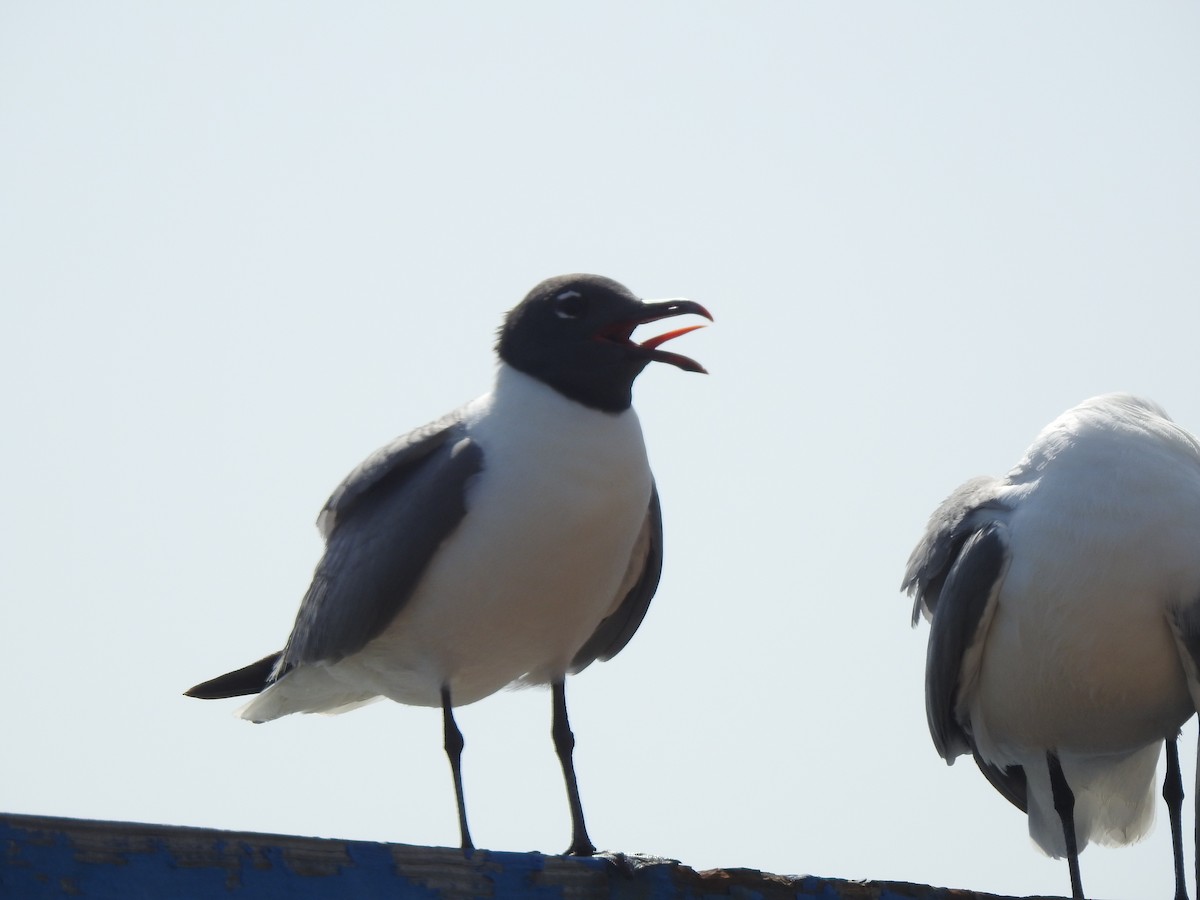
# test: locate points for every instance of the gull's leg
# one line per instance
(564, 744)
(1064, 805)
(1173, 794)
(454, 747)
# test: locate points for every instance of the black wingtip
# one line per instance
(251, 679)
(1011, 782)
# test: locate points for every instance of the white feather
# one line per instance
(537, 562)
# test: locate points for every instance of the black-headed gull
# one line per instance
(516, 540)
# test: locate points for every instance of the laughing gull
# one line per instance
(514, 541)
(1064, 602)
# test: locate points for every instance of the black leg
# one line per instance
(1173, 794)
(1196, 824)
(1064, 805)
(564, 743)
(454, 747)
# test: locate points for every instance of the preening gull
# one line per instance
(1064, 602)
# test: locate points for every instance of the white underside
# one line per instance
(1080, 657)
(537, 562)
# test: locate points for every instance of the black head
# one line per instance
(574, 333)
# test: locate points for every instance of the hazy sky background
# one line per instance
(243, 245)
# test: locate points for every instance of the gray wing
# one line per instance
(969, 588)
(1185, 624)
(954, 575)
(951, 524)
(382, 525)
(1009, 781)
(645, 569)
(389, 461)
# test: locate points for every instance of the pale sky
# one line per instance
(243, 245)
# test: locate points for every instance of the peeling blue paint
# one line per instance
(52, 858)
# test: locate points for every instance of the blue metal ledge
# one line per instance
(45, 857)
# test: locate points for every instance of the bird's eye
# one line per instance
(570, 305)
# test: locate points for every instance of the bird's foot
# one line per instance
(581, 847)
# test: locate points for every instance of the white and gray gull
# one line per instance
(1064, 602)
(516, 540)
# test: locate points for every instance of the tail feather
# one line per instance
(1114, 799)
(249, 679)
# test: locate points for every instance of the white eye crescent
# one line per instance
(570, 305)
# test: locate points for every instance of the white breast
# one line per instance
(1080, 653)
(536, 563)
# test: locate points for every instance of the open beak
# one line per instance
(622, 332)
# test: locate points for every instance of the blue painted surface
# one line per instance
(44, 857)
(70, 860)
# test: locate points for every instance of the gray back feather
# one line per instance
(958, 516)
(953, 574)
(382, 525)
(400, 456)
(973, 582)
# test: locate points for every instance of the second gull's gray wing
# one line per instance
(959, 622)
(955, 520)
(1185, 625)
(954, 576)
